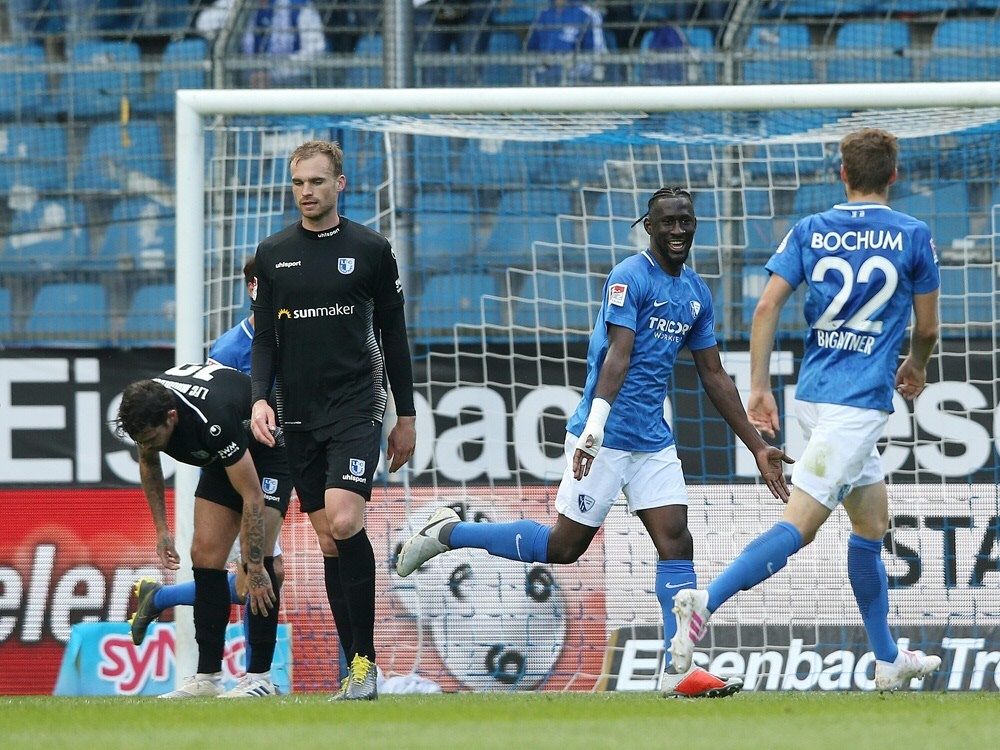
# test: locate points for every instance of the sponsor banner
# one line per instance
(66, 557)
(496, 415)
(799, 657)
(942, 556)
(100, 659)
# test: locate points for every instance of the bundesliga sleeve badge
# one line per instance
(616, 294)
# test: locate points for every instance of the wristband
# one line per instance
(599, 411)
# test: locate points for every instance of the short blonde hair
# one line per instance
(310, 149)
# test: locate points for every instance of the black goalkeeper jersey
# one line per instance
(318, 296)
(212, 403)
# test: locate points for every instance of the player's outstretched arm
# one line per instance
(151, 477)
(243, 476)
(722, 391)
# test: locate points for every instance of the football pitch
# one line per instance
(507, 722)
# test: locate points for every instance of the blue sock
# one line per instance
(232, 589)
(526, 541)
(672, 576)
(762, 558)
(871, 590)
(171, 596)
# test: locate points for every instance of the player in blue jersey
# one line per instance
(618, 439)
(866, 268)
(231, 349)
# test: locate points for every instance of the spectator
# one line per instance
(567, 26)
(446, 26)
(288, 33)
(29, 18)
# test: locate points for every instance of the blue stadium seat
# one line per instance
(856, 37)
(517, 12)
(494, 164)
(150, 317)
(101, 73)
(754, 280)
(766, 45)
(525, 217)
(964, 35)
(141, 235)
(6, 313)
(444, 231)
(811, 199)
(921, 6)
(557, 302)
(968, 296)
(33, 155)
(943, 205)
(366, 72)
(120, 158)
(453, 299)
(67, 314)
(22, 82)
(52, 234)
(501, 74)
(185, 62)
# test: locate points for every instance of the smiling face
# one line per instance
(316, 190)
(671, 224)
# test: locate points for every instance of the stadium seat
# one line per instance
(185, 66)
(767, 63)
(444, 230)
(101, 73)
(141, 235)
(908, 7)
(22, 82)
(979, 34)
(33, 155)
(448, 300)
(52, 234)
(6, 314)
(968, 296)
(856, 41)
(812, 199)
(516, 12)
(150, 317)
(127, 158)
(366, 72)
(525, 217)
(502, 74)
(494, 164)
(943, 205)
(68, 314)
(560, 302)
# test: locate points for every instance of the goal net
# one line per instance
(507, 209)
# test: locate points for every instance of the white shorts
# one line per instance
(649, 480)
(840, 452)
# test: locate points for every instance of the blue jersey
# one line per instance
(666, 312)
(232, 348)
(862, 262)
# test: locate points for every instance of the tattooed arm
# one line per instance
(151, 476)
(243, 476)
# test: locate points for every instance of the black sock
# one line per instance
(262, 632)
(338, 604)
(211, 616)
(357, 574)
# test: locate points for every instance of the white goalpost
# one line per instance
(507, 208)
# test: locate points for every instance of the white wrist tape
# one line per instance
(599, 411)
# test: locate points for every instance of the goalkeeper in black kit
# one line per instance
(330, 330)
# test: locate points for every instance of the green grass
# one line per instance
(814, 721)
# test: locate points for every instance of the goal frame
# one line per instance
(194, 105)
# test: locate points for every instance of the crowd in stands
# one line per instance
(87, 183)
